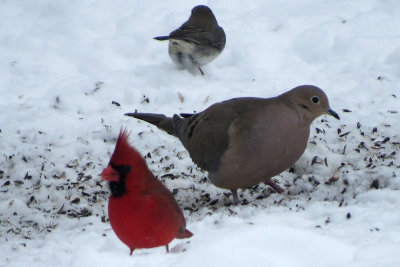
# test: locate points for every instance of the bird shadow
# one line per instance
(181, 247)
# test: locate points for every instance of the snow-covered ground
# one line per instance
(69, 70)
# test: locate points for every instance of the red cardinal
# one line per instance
(142, 211)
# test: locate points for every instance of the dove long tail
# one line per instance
(160, 120)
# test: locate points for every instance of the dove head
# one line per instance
(202, 17)
(310, 101)
(125, 162)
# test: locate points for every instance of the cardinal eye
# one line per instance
(315, 99)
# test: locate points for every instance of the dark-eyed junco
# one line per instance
(198, 41)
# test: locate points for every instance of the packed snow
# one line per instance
(69, 70)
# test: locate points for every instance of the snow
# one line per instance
(64, 62)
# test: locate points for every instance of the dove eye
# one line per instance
(315, 99)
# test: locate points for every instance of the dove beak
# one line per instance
(333, 113)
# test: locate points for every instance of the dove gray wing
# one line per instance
(205, 134)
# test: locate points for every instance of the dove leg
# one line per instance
(276, 187)
(235, 196)
(167, 248)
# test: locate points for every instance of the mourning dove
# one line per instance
(197, 42)
(244, 141)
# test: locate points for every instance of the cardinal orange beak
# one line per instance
(109, 174)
